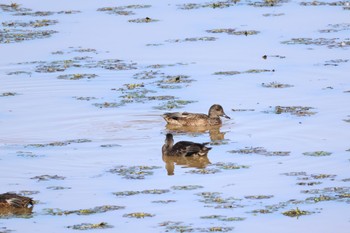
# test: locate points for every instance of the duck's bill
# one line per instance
(226, 116)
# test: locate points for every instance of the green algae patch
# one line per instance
(231, 31)
(122, 10)
(317, 153)
(77, 76)
(138, 215)
(60, 143)
(34, 24)
(192, 39)
(143, 20)
(296, 212)
(251, 71)
(258, 197)
(322, 3)
(276, 85)
(213, 5)
(187, 187)
(19, 35)
(173, 104)
(204, 171)
(95, 210)
(134, 172)
(48, 177)
(223, 218)
(328, 42)
(259, 151)
(229, 166)
(294, 110)
(90, 226)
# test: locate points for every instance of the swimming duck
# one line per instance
(183, 148)
(197, 119)
(15, 201)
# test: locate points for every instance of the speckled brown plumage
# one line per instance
(197, 119)
(15, 201)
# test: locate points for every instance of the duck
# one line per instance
(12, 200)
(183, 148)
(186, 119)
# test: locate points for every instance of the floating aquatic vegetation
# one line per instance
(230, 73)
(148, 74)
(160, 66)
(164, 201)
(171, 104)
(193, 39)
(109, 104)
(335, 62)
(8, 94)
(273, 14)
(231, 31)
(126, 193)
(19, 73)
(229, 166)
(88, 98)
(95, 210)
(262, 211)
(312, 183)
(319, 198)
(242, 110)
(19, 35)
(214, 5)
(329, 42)
(110, 145)
(258, 197)
(138, 215)
(133, 172)
(294, 110)
(28, 192)
(44, 13)
(143, 20)
(48, 177)
(333, 191)
(187, 187)
(77, 76)
(276, 85)
(155, 191)
(27, 154)
(336, 28)
(58, 188)
(317, 153)
(34, 24)
(176, 226)
(319, 3)
(13, 7)
(89, 226)
(223, 218)
(204, 171)
(122, 10)
(296, 212)
(267, 3)
(259, 151)
(176, 79)
(60, 143)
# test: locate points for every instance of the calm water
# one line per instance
(81, 125)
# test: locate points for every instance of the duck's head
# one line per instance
(216, 110)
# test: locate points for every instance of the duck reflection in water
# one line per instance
(186, 153)
(214, 131)
(12, 204)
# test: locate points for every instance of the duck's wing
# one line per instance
(17, 201)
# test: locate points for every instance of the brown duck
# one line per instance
(183, 148)
(12, 200)
(197, 119)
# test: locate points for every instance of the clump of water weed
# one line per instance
(231, 73)
(187, 187)
(48, 177)
(95, 210)
(164, 201)
(143, 20)
(59, 143)
(77, 76)
(295, 212)
(321, 3)
(89, 226)
(231, 31)
(172, 104)
(138, 215)
(223, 218)
(259, 151)
(204, 171)
(276, 85)
(192, 39)
(267, 3)
(317, 153)
(18, 35)
(5, 94)
(58, 188)
(329, 42)
(122, 10)
(294, 110)
(213, 5)
(34, 24)
(229, 166)
(28, 154)
(258, 197)
(133, 172)
(151, 74)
